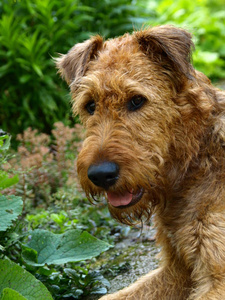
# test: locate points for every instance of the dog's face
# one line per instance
(125, 92)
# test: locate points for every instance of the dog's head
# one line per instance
(129, 94)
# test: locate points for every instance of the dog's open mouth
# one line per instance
(124, 200)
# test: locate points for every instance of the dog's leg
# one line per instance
(158, 284)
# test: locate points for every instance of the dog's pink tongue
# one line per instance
(119, 200)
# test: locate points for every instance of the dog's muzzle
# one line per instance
(105, 175)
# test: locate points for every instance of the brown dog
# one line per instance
(155, 144)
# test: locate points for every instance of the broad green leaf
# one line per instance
(10, 208)
(6, 181)
(16, 278)
(9, 294)
(71, 246)
(30, 255)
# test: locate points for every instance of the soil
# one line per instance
(132, 257)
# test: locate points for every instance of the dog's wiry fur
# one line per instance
(172, 148)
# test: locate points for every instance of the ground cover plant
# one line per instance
(48, 243)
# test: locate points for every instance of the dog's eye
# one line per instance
(90, 107)
(136, 102)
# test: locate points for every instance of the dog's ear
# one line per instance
(168, 46)
(73, 65)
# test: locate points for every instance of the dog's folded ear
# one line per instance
(168, 46)
(73, 65)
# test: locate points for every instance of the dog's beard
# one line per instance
(140, 207)
(140, 210)
(139, 188)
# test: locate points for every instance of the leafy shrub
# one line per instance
(33, 31)
(42, 252)
(45, 164)
(205, 19)
(10, 208)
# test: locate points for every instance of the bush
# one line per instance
(33, 31)
(205, 19)
(39, 251)
(44, 163)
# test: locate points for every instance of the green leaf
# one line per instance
(13, 277)
(207, 57)
(29, 255)
(71, 246)
(10, 208)
(37, 69)
(6, 181)
(4, 142)
(9, 294)
(25, 78)
(5, 69)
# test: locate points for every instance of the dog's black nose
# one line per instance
(104, 174)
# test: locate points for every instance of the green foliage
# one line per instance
(44, 163)
(49, 257)
(111, 18)
(73, 282)
(205, 19)
(17, 283)
(31, 32)
(74, 245)
(10, 208)
(9, 294)
(5, 180)
(4, 142)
